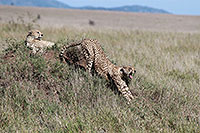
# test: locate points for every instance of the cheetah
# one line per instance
(35, 42)
(97, 60)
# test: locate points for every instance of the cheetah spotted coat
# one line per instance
(96, 58)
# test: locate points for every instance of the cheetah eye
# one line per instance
(38, 32)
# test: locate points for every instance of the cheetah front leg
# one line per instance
(123, 88)
(34, 50)
(89, 61)
(37, 50)
(89, 64)
(126, 93)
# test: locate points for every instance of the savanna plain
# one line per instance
(38, 93)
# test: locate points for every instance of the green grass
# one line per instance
(44, 95)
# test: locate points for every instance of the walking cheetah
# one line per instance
(33, 41)
(96, 58)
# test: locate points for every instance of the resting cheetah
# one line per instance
(96, 58)
(33, 41)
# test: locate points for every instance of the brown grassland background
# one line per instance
(41, 94)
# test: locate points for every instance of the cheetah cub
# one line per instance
(34, 41)
(97, 60)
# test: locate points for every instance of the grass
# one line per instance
(40, 94)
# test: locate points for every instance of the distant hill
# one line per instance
(132, 8)
(57, 4)
(37, 3)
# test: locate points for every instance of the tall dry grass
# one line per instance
(40, 95)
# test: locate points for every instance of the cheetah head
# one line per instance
(127, 73)
(35, 34)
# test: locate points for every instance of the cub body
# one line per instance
(35, 42)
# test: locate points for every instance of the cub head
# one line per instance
(127, 73)
(35, 34)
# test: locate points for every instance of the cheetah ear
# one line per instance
(30, 32)
(122, 69)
